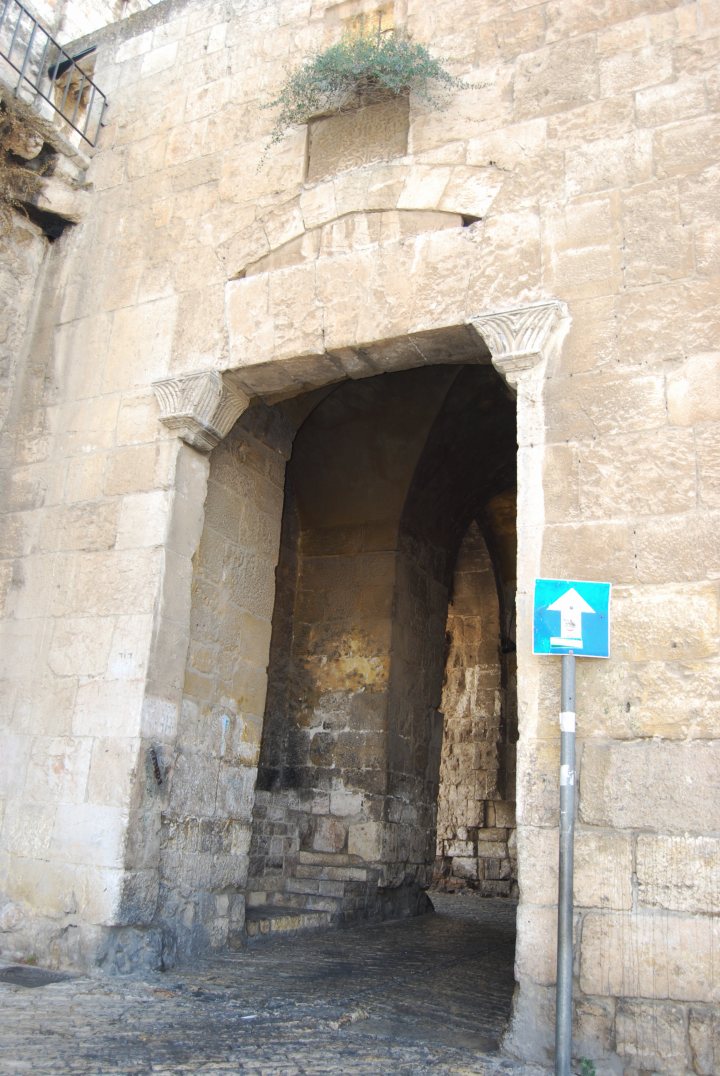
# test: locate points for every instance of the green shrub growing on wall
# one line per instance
(361, 68)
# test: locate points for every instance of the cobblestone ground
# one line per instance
(423, 995)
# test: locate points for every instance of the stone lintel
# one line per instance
(201, 408)
(520, 339)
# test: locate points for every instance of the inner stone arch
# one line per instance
(476, 844)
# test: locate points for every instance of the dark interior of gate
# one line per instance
(392, 657)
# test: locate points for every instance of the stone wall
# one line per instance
(582, 162)
(476, 804)
(70, 19)
(339, 702)
(204, 836)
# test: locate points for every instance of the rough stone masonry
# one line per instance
(287, 435)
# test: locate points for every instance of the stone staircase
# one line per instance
(309, 894)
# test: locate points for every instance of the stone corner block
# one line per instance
(201, 408)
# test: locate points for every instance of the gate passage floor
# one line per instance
(424, 995)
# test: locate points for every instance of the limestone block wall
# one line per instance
(70, 19)
(476, 806)
(343, 696)
(23, 250)
(206, 819)
(583, 162)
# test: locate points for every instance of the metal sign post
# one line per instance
(563, 1018)
(570, 618)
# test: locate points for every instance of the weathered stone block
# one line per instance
(538, 782)
(670, 549)
(614, 779)
(693, 391)
(613, 484)
(137, 468)
(144, 519)
(465, 867)
(365, 840)
(704, 1037)
(708, 449)
(670, 102)
(556, 78)
(670, 623)
(686, 147)
(535, 950)
(609, 163)
(108, 707)
(113, 765)
(344, 802)
(603, 867)
(646, 955)
(372, 133)
(27, 829)
(140, 342)
(81, 646)
(330, 835)
(681, 874)
(657, 245)
(672, 700)
(58, 769)
(633, 70)
(600, 550)
(89, 834)
(603, 403)
(653, 1034)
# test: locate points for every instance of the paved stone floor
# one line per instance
(415, 996)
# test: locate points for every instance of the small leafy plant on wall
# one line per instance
(363, 68)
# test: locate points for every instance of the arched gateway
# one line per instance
(401, 441)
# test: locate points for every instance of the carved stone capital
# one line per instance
(200, 408)
(519, 340)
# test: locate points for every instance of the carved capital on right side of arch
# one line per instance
(201, 408)
(520, 339)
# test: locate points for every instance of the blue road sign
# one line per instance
(571, 617)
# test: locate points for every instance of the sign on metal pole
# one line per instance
(571, 618)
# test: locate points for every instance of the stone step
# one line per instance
(295, 902)
(329, 859)
(272, 919)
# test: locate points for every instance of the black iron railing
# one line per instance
(43, 66)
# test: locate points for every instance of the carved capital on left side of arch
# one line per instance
(520, 339)
(201, 408)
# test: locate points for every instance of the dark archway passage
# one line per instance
(386, 476)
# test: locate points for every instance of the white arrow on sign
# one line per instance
(570, 606)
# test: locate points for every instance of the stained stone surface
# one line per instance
(574, 179)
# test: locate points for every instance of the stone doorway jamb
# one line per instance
(522, 343)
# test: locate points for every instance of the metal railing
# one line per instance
(49, 70)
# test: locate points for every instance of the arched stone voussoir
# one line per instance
(289, 376)
(391, 290)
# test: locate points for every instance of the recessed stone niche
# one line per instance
(372, 132)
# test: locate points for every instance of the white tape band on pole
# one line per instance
(567, 776)
(567, 720)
